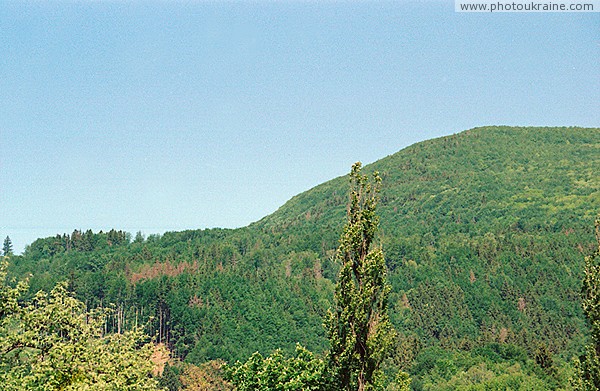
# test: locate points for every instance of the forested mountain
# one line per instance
(484, 235)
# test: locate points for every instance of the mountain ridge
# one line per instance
(484, 234)
(474, 132)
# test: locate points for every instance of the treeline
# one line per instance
(87, 241)
(207, 294)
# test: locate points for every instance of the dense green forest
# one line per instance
(484, 235)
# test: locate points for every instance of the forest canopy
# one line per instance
(485, 234)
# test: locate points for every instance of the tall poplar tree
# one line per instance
(588, 367)
(358, 327)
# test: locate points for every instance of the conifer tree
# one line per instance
(588, 367)
(7, 248)
(358, 327)
(139, 237)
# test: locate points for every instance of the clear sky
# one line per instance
(165, 115)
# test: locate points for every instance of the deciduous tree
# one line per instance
(359, 329)
(303, 372)
(53, 343)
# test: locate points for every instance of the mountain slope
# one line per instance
(484, 234)
(493, 221)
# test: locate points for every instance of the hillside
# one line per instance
(484, 220)
(484, 234)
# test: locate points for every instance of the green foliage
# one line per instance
(302, 372)
(492, 367)
(78, 241)
(492, 220)
(52, 343)
(7, 248)
(358, 327)
(206, 294)
(9, 296)
(400, 383)
(483, 234)
(170, 378)
(139, 237)
(588, 368)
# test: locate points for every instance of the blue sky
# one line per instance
(162, 115)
